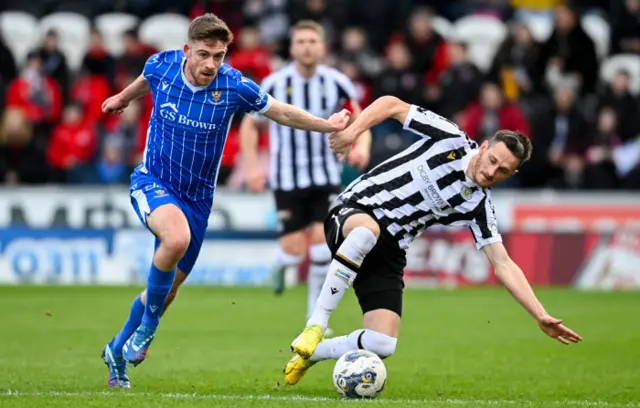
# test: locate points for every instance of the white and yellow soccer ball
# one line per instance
(360, 374)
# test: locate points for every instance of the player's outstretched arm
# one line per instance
(291, 116)
(136, 89)
(512, 277)
(382, 108)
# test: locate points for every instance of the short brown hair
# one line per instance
(308, 25)
(517, 143)
(209, 27)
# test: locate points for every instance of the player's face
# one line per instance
(494, 164)
(204, 59)
(307, 47)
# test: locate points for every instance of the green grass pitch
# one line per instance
(226, 347)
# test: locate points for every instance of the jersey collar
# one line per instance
(465, 166)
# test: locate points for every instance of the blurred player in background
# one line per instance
(195, 96)
(305, 174)
(443, 179)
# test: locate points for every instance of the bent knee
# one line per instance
(381, 344)
(361, 221)
(176, 244)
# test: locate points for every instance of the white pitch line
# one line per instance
(301, 398)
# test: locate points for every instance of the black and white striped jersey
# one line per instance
(301, 159)
(427, 185)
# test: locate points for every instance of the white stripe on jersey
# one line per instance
(299, 158)
(426, 185)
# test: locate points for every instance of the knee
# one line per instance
(363, 223)
(293, 245)
(319, 254)
(176, 244)
(381, 344)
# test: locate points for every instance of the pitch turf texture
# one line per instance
(226, 347)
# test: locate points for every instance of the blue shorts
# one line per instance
(148, 193)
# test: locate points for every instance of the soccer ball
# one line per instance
(359, 374)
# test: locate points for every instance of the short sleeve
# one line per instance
(150, 70)
(346, 89)
(485, 225)
(426, 123)
(252, 97)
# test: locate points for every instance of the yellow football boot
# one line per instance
(296, 368)
(305, 344)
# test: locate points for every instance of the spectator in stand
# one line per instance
(250, 57)
(8, 70)
(54, 62)
(625, 33)
(570, 51)
(21, 161)
(481, 120)
(355, 47)
(458, 86)
(428, 49)
(72, 143)
(601, 173)
(36, 94)
(562, 138)
(515, 66)
(110, 168)
(363, 88)
(397, 79)
(617, 96)
(270, 16)
(130, 128)
(92, 87)
(133, 58)
(230, 11)
(98, 55)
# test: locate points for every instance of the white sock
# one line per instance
(378, 343)
(284, 259)
(333, 349)
(320, 258)
(352, 252)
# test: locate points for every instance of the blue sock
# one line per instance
(132, 323)
(158, 287)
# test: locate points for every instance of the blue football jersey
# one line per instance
(189, 124)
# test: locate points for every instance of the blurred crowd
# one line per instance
(585, 131)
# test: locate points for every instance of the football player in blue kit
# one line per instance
(195, 96)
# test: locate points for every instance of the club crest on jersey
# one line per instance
(216, 95)
(466, 192)
(160, 193)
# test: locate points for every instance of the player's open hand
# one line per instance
(115, 104)
(339, 120)
(554, 328)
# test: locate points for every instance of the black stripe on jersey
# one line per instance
(278, 158)
(384, 167)
(481, 219)
(445, 157)
(450, 178)
(323, 144)
(414, 199)
(408, 219)
(292, 132)
(307, 134)
(390, 185)
(430, 131)
(343, 96)
(457, 199)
